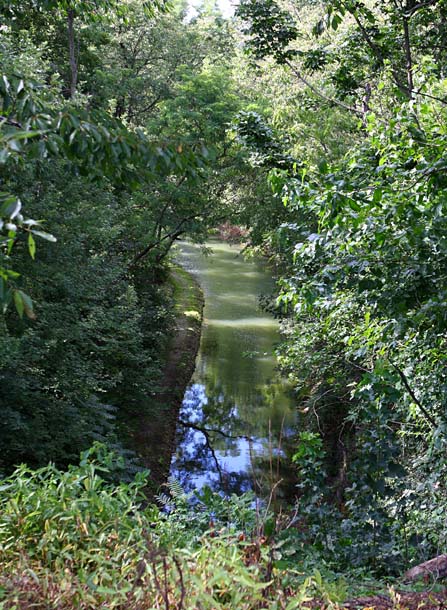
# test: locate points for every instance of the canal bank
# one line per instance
(153, 436)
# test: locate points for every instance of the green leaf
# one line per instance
(377, 196)
(354, 205)
(18, 302)
(11, 207)
(10, 242)
(28, 305)
(336, 22)
(31, 246)
(25, 135)
(14, 145)
(6, 83)
(323, 166)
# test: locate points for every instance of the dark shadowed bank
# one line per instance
(154, 432)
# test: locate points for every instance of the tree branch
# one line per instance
(414, 9)
(410, 391)
(10, 122)
(204, 430)
(206, 434)
(174, 233)
(320, 93)
(408, 57)
(432, 97)
(378, 52)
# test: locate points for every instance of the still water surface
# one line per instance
(237, 413)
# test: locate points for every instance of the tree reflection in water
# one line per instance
(209, 456)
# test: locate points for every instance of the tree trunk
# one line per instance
(408, 57)
(72, 53)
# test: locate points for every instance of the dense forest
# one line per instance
(313, 131)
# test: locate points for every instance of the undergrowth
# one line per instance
(75, 539)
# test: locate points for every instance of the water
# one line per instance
(237, 416)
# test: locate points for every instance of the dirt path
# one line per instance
(154, 436)
(426, 600)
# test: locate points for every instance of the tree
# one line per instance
(87, 11)
(89, 362)
(37, 125)
(353, 60)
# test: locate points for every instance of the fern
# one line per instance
(175, 489)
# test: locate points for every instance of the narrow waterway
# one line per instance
(237, 414)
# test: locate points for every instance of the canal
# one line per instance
(237, 416)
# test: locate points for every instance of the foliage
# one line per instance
(74, 539)
(367, 280)
(89, 353)
(102, 189)
(362, 274)
(34, 128)
(124, 128)
(353, 45)
(90, 9)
